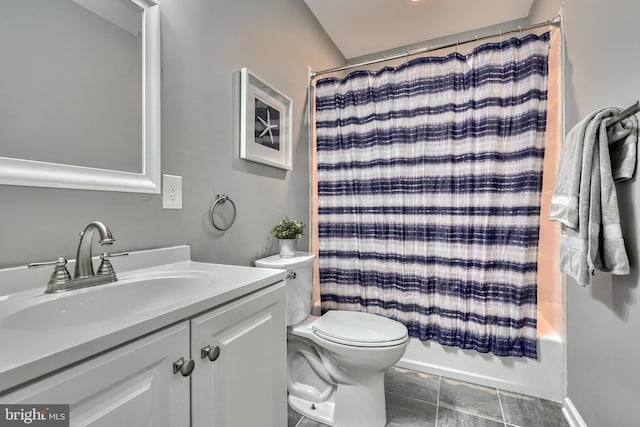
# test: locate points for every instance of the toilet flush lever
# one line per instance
(292, 275)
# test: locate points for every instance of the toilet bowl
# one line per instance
(336, 362)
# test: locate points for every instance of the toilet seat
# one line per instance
(359, 329)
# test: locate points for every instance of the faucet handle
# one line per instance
(57, 262)
(60, 274)
(105, 266)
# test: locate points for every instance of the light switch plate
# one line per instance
(171, 192)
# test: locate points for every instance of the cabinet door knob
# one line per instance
(211, 352)
(185, 367)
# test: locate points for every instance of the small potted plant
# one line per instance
(288, 232)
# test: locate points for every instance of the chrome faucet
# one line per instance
(84, 275)
(84, 265)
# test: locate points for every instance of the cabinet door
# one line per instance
(246, 385)
(133, 385)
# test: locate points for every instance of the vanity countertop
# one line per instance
(41, 333)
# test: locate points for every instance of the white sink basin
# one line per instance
(135, 295)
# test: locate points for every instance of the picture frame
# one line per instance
(265, 122)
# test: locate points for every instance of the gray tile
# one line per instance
(470, 398)
(451, 418)
(292, 417)
(405, 412)
(306, 422)
(527, 411)
(415, 385)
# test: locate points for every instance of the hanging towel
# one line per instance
(584, 200)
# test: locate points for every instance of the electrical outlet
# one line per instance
(171, 192)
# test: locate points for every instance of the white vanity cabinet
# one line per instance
(240, 377)
(135, 384)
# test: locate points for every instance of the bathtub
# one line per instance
(544, 378)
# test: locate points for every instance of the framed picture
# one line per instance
(265, 122)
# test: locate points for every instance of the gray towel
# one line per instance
(584, 199)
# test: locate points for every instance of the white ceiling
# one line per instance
(362, 27)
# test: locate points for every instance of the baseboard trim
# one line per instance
(571, 414)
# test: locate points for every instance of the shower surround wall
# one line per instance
(203, 44)
(550, 290)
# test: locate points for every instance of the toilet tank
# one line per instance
(299, 283)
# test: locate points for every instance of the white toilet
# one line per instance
(336, 362)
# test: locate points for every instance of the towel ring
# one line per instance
(222, 199)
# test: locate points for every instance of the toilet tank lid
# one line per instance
(301, 259)
(359, 327)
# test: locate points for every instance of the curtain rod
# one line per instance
(555, 21)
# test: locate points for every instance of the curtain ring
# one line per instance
(222, 199)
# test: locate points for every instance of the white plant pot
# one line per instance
(287, 247)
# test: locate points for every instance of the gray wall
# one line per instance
(204, 43)
(603, 320)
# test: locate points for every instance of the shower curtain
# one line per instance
(429, 177)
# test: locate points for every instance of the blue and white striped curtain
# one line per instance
(429, 182)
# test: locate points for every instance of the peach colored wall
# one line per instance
(550, 295)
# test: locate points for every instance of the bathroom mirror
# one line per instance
(80, 94)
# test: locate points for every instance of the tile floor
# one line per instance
(417, 399)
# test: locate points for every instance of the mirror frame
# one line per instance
(43, 174)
